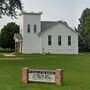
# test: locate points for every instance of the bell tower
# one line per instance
(30, 26)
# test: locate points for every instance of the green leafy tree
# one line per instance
(7, 35)
(10, 7)
(84, 29)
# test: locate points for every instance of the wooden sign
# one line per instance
(41, 75)
(50, 76)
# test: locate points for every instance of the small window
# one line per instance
(28, 28)
(59, 40)
(49, 40)
(69, 40)
(35, 28)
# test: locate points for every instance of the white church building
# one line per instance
(37, 36)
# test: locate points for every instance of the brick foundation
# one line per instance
(59, 77)
(25, 75)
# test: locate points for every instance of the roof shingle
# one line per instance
(18, 36)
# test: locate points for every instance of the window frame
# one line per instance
(69, 40)
(49, 40)
(28, 28)
(35, 28)
(59, 40)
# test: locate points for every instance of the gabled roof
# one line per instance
(46, 24)
(18, 36)
(49, 24)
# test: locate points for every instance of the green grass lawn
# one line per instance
(76, 71)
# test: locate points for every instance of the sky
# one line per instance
(53, 10)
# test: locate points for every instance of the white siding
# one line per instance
(21, 23)
(62, 30)
(31, 41)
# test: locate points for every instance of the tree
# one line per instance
(84, 29)
(7, 35)
(10, 7)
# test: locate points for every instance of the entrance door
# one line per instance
(17, 47)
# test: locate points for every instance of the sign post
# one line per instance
(50, 76)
